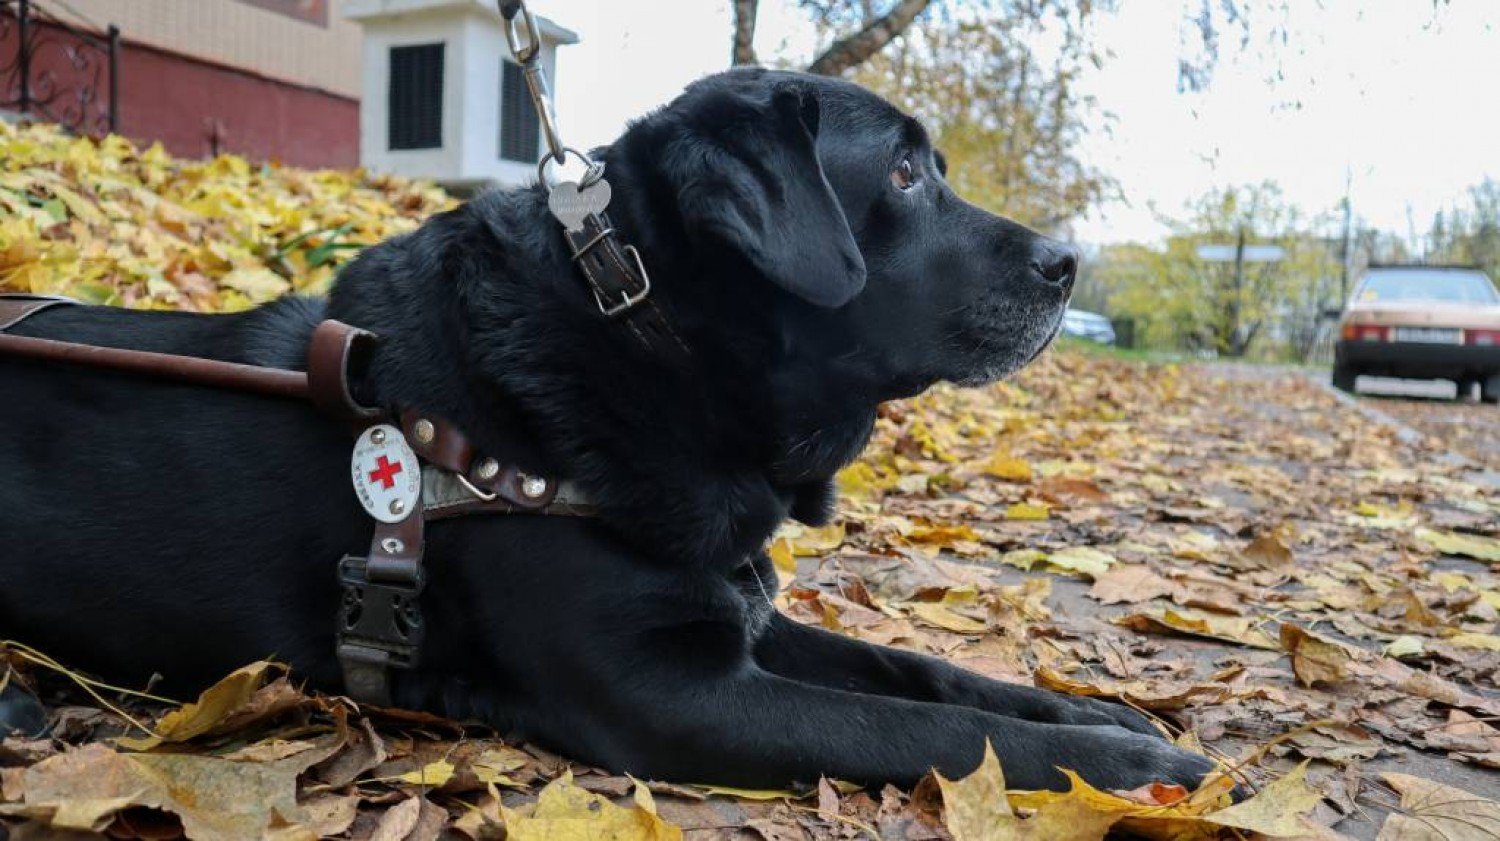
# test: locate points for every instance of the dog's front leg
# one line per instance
(751, 728)
(813, 655)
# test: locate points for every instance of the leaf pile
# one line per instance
(106, 222)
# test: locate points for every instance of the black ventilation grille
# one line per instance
(520, 126)
(416, 97)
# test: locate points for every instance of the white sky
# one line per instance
(1405, 100)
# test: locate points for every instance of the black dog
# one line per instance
(805, 247)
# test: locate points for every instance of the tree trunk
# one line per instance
(869, 40)
(744, 32)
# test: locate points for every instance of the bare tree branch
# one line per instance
(743, 51)
(854, 49)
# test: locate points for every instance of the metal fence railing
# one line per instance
(59, 71)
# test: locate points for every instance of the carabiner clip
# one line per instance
(527, 54)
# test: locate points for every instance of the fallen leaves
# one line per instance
(978, 808)
(1432, 811)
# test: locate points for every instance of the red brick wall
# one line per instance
(186, 103)
(196, 108)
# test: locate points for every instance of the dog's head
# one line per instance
(820, 208)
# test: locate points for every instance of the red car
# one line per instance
(1422, 322)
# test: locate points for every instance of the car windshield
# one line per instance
(1467, 287)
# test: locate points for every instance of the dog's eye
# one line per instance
(903, 176)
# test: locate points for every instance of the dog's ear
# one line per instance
(752, 184)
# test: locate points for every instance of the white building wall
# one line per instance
(374, 149)
(475, 44)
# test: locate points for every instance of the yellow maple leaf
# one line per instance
(565, 812)
(1003, 466)
(1027, 511)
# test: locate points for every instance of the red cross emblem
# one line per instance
(385, 472)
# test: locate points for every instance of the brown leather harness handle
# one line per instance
(274, 382)
(330, 352)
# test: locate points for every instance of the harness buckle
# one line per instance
(627, 299)
(380, 621)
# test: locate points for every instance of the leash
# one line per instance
(615, 272)
(407, 468)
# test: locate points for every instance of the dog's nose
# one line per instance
(1056, 263)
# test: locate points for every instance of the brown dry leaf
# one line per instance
(1193, 623)
(1130, 584)
(215, 706)
(1432, 811)
(565, 812)
(1315, 658)
(1404, 678)
(363, 751)
(214, 797)
(1268, 551)
(327, 815)
(1158, 696)
(1063, 488)
(399, 820)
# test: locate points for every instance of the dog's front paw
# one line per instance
(1128, 760)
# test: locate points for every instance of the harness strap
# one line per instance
(621, 286)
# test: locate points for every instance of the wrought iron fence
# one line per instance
(58, 71)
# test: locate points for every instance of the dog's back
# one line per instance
(119, 493)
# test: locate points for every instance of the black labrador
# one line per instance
(804, 245)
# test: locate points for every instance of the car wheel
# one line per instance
(1489, 390)
(1466, 389)
(1343, 378)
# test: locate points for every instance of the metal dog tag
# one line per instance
(387, 476)
(572, 205)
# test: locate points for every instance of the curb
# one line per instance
(1404, 433)
(1477, 472)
